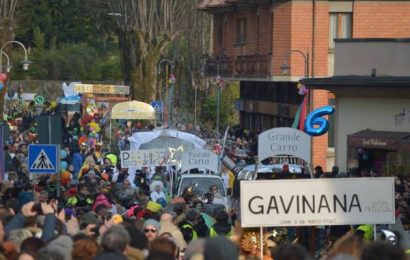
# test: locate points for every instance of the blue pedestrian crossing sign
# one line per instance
(158, 106)
(42, 158)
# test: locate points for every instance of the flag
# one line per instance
(300, 117)
(303, 112)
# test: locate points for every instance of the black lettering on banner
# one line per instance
(125, 156)
(297, 204)
(355, 203)
(273, 205)
(323, 203)
(286, 209)
(305, 202)
(259, 206)
(337, 201)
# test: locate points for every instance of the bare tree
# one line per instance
(145, 30)
(7, 25)
(7, 19)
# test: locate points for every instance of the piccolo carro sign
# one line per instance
(310, 202)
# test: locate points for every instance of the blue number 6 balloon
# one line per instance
(315, 118)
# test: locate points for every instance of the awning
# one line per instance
(133, 110)
(399, 141)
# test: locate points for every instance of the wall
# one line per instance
(381, 19)
(356, 114)
(229, 21)
(359, 58)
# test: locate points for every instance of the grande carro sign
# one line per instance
(284, 141)
(201, 159)
(308, 202)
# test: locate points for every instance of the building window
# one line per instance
(340, 27)
(241, 31)
(220, 34)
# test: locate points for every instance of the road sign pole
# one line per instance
(58, 157)
(58, 171)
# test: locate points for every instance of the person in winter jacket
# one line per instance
(221, 227)
(193, 226)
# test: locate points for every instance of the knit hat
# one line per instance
(63, 244)
(153, 207)
(152, 222)
(101, 200)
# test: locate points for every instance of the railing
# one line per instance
(249, 66)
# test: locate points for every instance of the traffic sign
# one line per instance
(158, 106)
(42, 158)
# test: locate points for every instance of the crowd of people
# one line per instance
(98, 212)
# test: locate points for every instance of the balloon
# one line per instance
(63, 165)
(3, 76)
(63, 154)
(315, 119)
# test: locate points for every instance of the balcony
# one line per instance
(249, 66)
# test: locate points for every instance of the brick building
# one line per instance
(253, 38)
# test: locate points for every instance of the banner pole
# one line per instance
(261, 231)
(374, 232)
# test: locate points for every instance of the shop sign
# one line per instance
(102, 89)
(284, 141)
(200, 159)
(312, 202)
(374, 142)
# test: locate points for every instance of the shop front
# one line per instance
(380, 153)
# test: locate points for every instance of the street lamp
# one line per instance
(171, 81)
(286, 67)
(219, 85)
(8, 66)
(26, 63)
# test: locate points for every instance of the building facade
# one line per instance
(372, 118)
(252, 39)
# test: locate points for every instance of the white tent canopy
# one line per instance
(162, 139)
(142, 140)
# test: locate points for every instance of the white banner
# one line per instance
(140, 158)
(201, 159)
(284, 141)
(312, 202)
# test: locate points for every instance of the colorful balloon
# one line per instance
(1, 85)
(63, 154)
(63, 165)
(315, 118)
(3, 76)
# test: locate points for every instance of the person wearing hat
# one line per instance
(151, 229)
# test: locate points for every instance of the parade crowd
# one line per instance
(98, 213)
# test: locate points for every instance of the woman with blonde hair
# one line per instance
(349, 245)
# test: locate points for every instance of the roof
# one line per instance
(380, 140)
(358, 81)
(363, 86)
(226, 5)
(209, 4)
